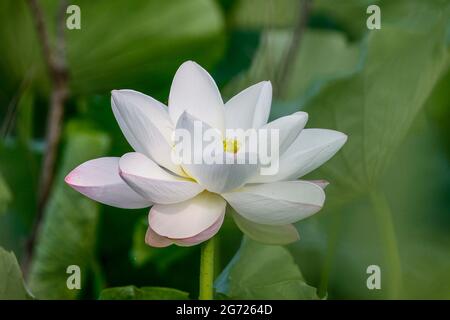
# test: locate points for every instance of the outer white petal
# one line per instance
(146, 125)
(265, 233)
(194, 90)
(250, 108)
(155, 240)
(289, 127)
(187, 219)
(311, 149)
(202, 236)
(277, 203)
(217, 177)
(154, 183)
(99, 180)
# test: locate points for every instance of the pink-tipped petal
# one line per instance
(153, 239)
(188, 218)
(202, 236)
(99, 180)
(321, 183)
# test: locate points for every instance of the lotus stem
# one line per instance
(207, 270)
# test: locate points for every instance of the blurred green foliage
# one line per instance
(263, 272)
(5, 195)
(69, 228)
(388, 202)
(11, 281)
(145, 293)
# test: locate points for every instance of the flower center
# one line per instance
(231, 145)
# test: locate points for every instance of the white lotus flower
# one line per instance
(187, 209)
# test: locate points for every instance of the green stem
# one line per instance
(207, 270)
(334, 232)
(386, 225)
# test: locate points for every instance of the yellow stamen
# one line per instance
(231, 145)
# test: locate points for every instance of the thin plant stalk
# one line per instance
(386, 226)
(207, 270)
